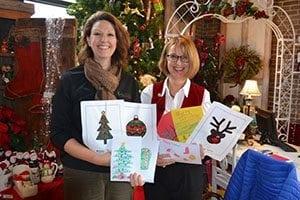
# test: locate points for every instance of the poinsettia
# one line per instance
(12, 129)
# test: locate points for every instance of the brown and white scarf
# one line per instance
(105, 81)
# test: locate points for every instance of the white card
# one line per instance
(125, 157)
(91, 114)
(219, 130)
(180, 152)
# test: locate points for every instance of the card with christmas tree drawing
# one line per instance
(129, 155)
(101, 122)
(125, 157)
(104, 121)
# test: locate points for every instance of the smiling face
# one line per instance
(102, 40)
(177, 63)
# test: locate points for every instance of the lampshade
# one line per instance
(250, 89)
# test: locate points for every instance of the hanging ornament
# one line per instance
(111, 2)
(151, 43)
(136, 127)
(158, 6)
(136, 48)
(137, 12)
(142, 27)
(4, 46)
(127, 9)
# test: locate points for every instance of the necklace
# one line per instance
(174, 87)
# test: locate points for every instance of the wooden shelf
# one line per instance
(15, 9)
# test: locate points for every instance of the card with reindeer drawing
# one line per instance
(219, 130)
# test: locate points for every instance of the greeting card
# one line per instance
(219, 130)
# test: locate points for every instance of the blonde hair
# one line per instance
(120, 56)
(189, 47)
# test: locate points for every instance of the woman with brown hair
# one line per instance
(100, 76)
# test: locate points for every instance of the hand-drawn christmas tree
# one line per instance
(123, 162)
(104, 129)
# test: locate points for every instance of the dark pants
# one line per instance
(86, 185)
(176, 182)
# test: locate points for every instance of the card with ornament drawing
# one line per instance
(104, 121)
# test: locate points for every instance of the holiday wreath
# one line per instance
(240, 64)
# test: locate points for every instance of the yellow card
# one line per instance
(185, 120)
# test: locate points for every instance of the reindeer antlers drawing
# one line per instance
(216, 133)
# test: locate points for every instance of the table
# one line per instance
(46, 191)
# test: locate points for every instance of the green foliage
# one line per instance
(36, 142)
(146, 43)
(210, 72)
(82, 9)
(17, 142)
(209, 75)
(240, 64)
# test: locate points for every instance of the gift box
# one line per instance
(22, 183)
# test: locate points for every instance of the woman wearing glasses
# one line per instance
(179, 62)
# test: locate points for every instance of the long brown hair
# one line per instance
(120, 56)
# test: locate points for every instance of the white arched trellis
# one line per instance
(280, 23)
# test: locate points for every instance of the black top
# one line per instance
(66, 119)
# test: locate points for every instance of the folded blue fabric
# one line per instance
(260, 177)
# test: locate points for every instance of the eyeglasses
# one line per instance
(174, 58)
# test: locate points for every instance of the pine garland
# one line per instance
(240, 64)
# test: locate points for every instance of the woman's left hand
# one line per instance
(202, 153)
(136, 180)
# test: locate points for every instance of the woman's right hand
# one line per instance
(103, 159)
(77, 150)
(164, 159)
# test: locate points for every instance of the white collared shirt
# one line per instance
(176, 102)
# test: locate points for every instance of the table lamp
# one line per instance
(250, 90)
